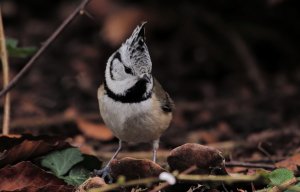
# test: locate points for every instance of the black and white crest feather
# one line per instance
(128, 72)
(137, 54)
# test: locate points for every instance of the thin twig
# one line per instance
(127, 184)
(89, 15)
(189, 170)
(45, 45)
(221, 178)
(283, 186)
(160, 187)
(224, 178)
(287, 185)
(248, 165)
(262, 149)
(5, 66)
(240, 47)
(179, 177)
(166, 184)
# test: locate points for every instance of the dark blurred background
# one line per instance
(232, 67)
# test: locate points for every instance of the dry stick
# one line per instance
(145, 181)
(89, 15)
(240, 47)
(289, 184)
(220, 178)
(283, 186)
(248, 165)
(248, 59)
(224, 178)
(45, 45)
(166, 184)
(4, 60)
(127, 184)
(180, 177)
(260, 147)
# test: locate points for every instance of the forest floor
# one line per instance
(239, 105)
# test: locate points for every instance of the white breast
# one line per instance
(134, 122)
(116, 113)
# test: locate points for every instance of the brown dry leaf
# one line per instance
(120, 24)
(220, 133)
(207, 159)
(26, 176)
(133, 168)
(27, 147)
(96, 131)
(93, 182)
(291, 163)
(79, 141)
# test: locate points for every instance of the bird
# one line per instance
(132, 102)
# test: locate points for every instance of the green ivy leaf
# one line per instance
(279, 176)
(14, 51)
(60, 162)
(76, 176)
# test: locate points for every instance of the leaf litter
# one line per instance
(279, 146)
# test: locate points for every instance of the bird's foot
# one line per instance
(104, 174)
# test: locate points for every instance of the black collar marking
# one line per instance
(134, 95)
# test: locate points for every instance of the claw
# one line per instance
(104, 174)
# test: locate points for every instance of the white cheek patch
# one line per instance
(117, 70)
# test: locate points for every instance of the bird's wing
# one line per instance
(167, 104)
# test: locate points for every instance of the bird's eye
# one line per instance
(128, 70)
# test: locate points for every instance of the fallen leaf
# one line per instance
(27, 147)
(96, 131)
(291, 163)
(93, 182)
(133, 168)
(80, 142)
(26, 176)
(220, 133)
(207, 159)
(77, 176)
(279, 176)
(71, 165)
(60, 162)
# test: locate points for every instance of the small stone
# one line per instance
(133, 168)
(207, 159)
(168, 177)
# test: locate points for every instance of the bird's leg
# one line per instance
(105, 172)
(155, 148)
(116, 153)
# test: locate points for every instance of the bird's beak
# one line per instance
(146, 77)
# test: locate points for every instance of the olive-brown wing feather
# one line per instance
(167, 104)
